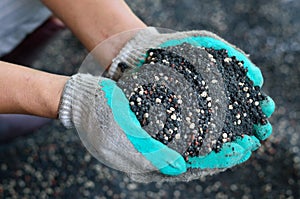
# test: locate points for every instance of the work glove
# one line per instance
(180, 106)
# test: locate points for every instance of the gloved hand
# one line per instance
(91, 105)
(106, 116)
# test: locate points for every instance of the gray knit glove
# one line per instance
(183, 105)
(88, 105)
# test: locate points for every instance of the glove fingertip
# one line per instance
(174, 168)
(255, 143)
(255, 75)
(268, 106)
(249, 143)
(262, 132)
(246, 156)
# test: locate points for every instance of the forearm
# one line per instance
(93, 21)
(27, 91)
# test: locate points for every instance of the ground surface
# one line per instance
(52, 162)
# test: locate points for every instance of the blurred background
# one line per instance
(51, 162)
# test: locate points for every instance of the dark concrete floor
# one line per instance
(52, 162)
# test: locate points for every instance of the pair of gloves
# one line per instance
(100, 111)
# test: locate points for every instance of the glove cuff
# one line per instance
(134, 50)
(75, 97)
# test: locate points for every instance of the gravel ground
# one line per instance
(52, 163)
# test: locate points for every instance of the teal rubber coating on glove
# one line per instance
(232, 153)
(253, 73)
(166, 160)
(268, 106)
(250, 143)
(262, 132)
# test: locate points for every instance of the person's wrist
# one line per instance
(51, 90)
(58, 88)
